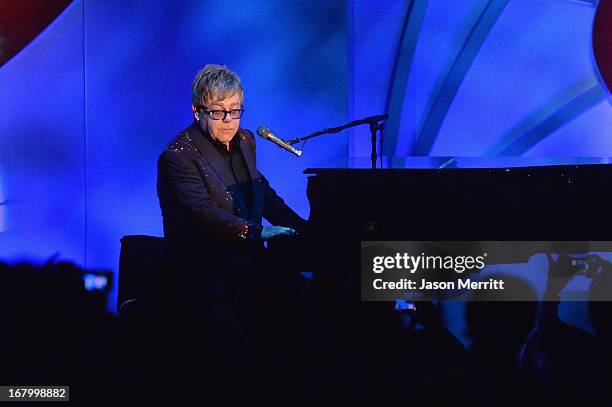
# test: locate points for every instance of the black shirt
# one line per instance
(233, 159)
(242, 190)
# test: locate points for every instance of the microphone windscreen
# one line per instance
(263, 131)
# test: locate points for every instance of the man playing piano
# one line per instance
(213, 197)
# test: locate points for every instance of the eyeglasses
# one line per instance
(222, 114)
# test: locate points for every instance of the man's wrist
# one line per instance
(244, 232)
(249, 231)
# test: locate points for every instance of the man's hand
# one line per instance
(269, 232)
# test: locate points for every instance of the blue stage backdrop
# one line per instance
(87, 106)
(478, 78)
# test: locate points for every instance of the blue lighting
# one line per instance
(87, 106)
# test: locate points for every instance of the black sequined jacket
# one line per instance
(198, 204)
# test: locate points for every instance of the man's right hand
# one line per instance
(269, 232)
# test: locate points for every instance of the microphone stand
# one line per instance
(375, 126)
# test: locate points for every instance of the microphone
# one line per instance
(266, 133)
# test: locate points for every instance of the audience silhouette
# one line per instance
(303, 342)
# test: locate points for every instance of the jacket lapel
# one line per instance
(210, 155)
(248, 154)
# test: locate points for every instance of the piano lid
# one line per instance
(547, 202)
(460, 162)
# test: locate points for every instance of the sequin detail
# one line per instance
(183, 143)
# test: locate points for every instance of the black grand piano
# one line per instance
(483, 202)
(544, 202)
